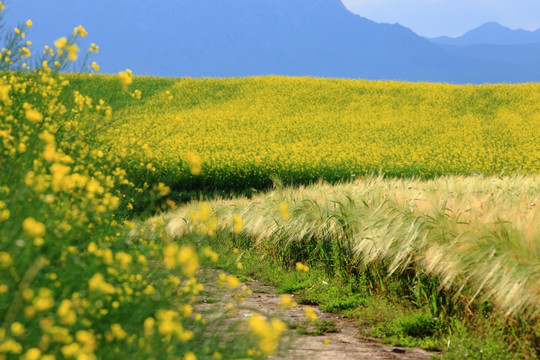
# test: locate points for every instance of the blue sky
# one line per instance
(449, 17)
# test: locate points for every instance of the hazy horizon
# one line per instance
(433, 18)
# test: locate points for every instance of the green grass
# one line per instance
(381, 314)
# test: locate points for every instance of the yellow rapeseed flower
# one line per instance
(29, 23)
(118, 332)
(5, 260)
(209, 253)
(32, 354)
(237, 223)
(26, 52)
(125, 78)
(93, 48)
(80, 31)
(33, 115)
(33, 227)
(301, 267)
(72, 50)
(17, 329)
(194, 162)
(61, 43)
(284, 211)
(149, 324)
(287, 301)
(95, 66)
(310, 313)
(268, 333)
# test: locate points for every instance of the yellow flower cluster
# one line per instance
(202, 220)
(63, 46)
(184, 257)
(287, 301)
(126, 78)
(268, 332)
(237, 223)
(310, 313)
(73, 270)
(229, 281)
(301, 267)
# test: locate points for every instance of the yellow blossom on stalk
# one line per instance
(3, 289)
(4, 93)
(17, 329)
(268, 333)
(190, 356)
(33, 227)
(284, 211)
(209, 253)
(2, 6)
(287, 301)
(149, 324)
(97, 282)
(80, 31)
(33, 115)
(66, 313)
(310, 313)
(188, 260)
(26, 52)
(137, 94)
(126, 78)
(72, 50)
(301, 267)
(237, 223)
(87, 340)
(194, 162)
(118, 332)
(239, 266)
(32, 354)
(4, 214)
(17, 31)
(44, 300)
(95, 66)
(230, 281)
(61, 43)
(29, 23)
(93, 48)
(185, 257)
(45, 66)
(5, 260)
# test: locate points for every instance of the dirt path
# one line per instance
(347, 343)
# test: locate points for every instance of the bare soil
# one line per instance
(347, 343)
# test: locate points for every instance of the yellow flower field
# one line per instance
(302, 129)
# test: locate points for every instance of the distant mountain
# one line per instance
(222, 38)
(494, 34)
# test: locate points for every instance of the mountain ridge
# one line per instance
(492, 33)
(227, 38)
